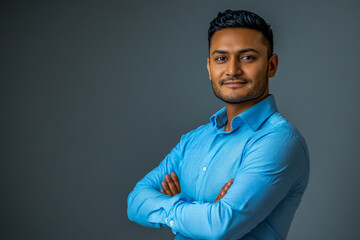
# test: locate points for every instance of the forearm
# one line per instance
(210, 220)
(144, 206)
(148, 206)
(199, 221)
(151, 208)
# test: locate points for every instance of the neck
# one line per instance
(234, 109)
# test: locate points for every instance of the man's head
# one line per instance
(240, 56)
(242, 19)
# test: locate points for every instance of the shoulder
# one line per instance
(278, 142)
(278, 130)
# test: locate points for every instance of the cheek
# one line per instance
(216, 73)
(257, 71)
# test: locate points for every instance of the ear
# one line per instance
(273, 63)
(208, 67)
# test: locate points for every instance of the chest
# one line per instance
(209, 163)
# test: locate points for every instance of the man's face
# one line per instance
(238, 65)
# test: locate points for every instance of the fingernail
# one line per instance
(167, 177)
(173, 174)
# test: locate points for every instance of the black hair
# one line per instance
(242, 19)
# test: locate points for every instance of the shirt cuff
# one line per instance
(170, 205)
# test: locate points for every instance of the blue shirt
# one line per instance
(265, 155)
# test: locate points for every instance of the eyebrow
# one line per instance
(240, 51)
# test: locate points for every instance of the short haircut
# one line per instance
(242, 19)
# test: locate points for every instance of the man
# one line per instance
(241, 176)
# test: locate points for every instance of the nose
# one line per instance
(233, 67)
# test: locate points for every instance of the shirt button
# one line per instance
(204, 169)
(166, 220)
(172, 223)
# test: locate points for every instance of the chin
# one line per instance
(239, 99)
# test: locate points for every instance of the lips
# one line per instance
(235, 84)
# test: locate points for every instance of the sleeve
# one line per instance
(146, 205)
(269, 169)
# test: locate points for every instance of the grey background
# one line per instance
(94, 94)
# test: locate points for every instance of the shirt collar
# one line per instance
(253, 116)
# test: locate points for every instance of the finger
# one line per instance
(171, 184)
(166, 188)
(224, 190)
(221, 191)
(219, 197)
(162, 191)
(176, 181)
(227, 186)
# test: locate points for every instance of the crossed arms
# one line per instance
(171, 186)
(265, 177)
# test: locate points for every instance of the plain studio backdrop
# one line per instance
(94, 94)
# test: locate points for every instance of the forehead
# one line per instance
(237, 39)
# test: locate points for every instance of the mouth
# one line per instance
(235, 83)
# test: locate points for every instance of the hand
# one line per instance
(171, 185)
(224, 190)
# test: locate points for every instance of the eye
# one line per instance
(220, 59)
(247, 58)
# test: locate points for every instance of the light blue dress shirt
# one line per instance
(265, 155)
